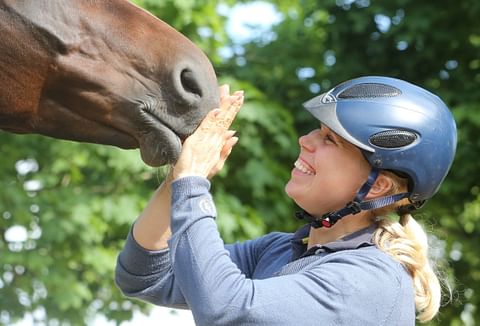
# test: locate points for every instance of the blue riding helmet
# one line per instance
(398, 126)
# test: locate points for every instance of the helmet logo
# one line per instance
(329, 98)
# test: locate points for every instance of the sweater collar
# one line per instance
(360, 238)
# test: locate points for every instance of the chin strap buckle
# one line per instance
(328, 220)
(326, 223)
(354, 207)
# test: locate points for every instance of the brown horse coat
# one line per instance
(101, 71)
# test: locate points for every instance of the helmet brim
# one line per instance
(324, 109)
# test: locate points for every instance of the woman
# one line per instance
(383, 146)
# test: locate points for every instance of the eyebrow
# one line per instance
(335, 136)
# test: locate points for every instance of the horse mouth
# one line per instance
(159, 143)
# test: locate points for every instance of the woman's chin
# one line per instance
(298, 181)
(292, 189)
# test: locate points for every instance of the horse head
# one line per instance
(105, 72)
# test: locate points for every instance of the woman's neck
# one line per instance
(342, 228)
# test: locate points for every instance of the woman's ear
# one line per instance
(381, 187)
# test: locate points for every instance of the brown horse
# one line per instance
(101, 71)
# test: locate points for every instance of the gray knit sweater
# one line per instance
(271, 280)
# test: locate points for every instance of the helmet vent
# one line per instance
(367, 90)
(393, 138)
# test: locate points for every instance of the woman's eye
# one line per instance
(330, 139)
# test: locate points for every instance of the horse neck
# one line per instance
(43, 31)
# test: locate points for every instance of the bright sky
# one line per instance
(248, 20)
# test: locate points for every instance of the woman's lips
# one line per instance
(304, 167)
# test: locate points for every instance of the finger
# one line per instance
(224, 154)
(217, 168)
(227, 147)
(209, 121)
(232, 111)
(224, 91)
(232, 98)
(230, 133)
(228, 114)
(232, 142)
(227, 100)
(237, 104)
(238, 93)
(222, 118)
(211, 115)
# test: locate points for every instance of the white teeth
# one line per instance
(299, 165)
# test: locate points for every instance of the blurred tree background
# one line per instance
(66, 208)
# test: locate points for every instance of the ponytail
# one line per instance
(407, 242)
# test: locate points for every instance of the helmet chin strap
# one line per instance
(357, 205)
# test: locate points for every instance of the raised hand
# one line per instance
(205, 151)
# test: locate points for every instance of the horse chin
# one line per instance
(160, 146)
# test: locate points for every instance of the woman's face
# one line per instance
(328, 172)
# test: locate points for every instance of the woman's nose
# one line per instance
(307, 141)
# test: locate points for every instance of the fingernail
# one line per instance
(223, 90)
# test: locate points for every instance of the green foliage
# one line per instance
(74, 204)
(76, 222)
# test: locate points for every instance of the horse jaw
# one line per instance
(160, 146)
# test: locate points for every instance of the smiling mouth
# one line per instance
(302, 167)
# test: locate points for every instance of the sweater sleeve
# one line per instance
(147, 275)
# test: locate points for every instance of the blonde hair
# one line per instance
(407, 242)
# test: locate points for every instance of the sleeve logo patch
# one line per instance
(207, 207)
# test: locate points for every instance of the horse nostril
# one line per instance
(190, 83)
